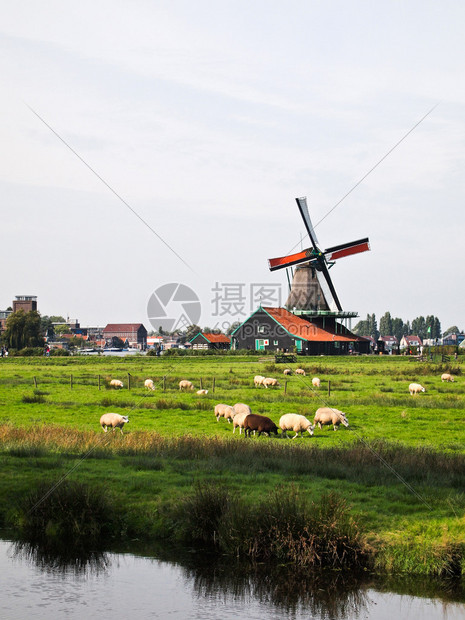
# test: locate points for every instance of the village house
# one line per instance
(134, 334)
(210, 341)
(277, 329)
(389, 343)
(409, 342)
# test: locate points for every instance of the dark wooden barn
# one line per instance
(210, 341)
(277, 329)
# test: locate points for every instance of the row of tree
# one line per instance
(429, 327)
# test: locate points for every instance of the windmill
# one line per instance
(312, 288)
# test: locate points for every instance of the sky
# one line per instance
(149, 143)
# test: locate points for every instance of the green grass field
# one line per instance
(400, 465)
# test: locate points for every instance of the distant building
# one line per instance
(453, 339)
(25, 302)
(4, 314)
(210, 341)
(407, 342)
(134, 333)
(390, 343)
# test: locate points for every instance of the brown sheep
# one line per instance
(260, 423)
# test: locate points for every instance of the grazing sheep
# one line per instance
(328, 415)
(113, 420)
(295, 422)
(242, 408)
(260, 423)
(415, 388)
(258, 380)
(116, 383)
(316, 382)
(238, 421)
(447, 377)
(300, 371)
(202, 392)
(148, 383)
(270, 382)
(224, 411)
(287, 371)
(185, 385)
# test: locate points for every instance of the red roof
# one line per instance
(122, 327)
(217, 338)
(309, 331)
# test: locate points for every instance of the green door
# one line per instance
(298, 346)
(259, 344)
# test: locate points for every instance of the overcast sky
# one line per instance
(208, 119)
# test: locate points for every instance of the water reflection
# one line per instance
(65, 561)
(196, 585)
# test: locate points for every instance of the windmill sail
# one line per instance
(312, 287)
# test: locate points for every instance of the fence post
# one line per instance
(285, 387)
(71, 381)
(329, 388)
(35, 381)
(129, 381)
(99, 382)
(164, 382)
(201, 386)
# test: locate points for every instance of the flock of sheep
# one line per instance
(242, 417)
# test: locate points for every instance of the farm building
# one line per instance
(277, 329)
(134, 333)
(407, 342)
(210, 341)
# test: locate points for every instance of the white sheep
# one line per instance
(238, 421)
(116, 383)
(148, 383)
(202, 392)
(295, 422)
(447, 377)
(316, 382)
(300, 371)
(241, 408)
(224, 411)
(328, 415)
(113, 420)
(270, 382)
(415, 388)
(186, 385)
(287, 371)
(258, 380)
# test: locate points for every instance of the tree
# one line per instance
(397, 328)
(419, 327)
(385, 324)
(452, 330)
(23, 330)
(232, 327)
(117, 343)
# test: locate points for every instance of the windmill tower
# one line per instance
(312, 293)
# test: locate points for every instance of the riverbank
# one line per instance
(402, 501)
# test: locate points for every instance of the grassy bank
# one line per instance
(396, 476)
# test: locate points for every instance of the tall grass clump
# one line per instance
(284, 527)
(71, 514)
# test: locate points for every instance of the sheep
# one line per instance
(287, 371)
(300, 371)
(447, 377)
(270, 382)
(238, 421)
(258, 380)
(241, 408)
(116, 383)
(328, 415)
(316, 382)
(224, 411)
(202, 392)
(415, 388)
(148, 383)
(185, 385)
(114, 420)
(260, 423)
(295, 422)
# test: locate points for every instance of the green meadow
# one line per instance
(396, 476)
